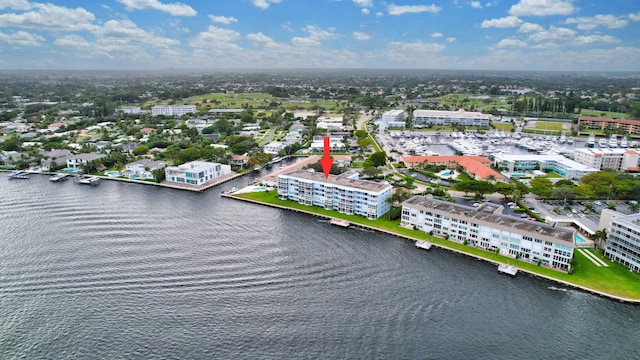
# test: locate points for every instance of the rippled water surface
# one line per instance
(126, 271)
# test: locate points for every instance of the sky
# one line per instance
(543, 35)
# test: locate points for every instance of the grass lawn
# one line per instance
(608, 114)
(615, 280)
(553, 175)
(549, 125)
(506, 127)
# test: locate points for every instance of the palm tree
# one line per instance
(589, 207)
(599, 237)
(635, 207)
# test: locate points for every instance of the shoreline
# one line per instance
(440, 246)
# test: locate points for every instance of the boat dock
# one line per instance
(59, 177)
(423, 245)
(343, 223)
(18, 174)
(507, 269)
(88, 180)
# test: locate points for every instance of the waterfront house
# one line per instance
(273, 148)
(344, 193)
(486, 227)
(77, 161)
(239, 160)
(195, 172)
(143, 169)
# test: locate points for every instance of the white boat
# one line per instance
(562, 139)
(633, 144)
(18, 174)
(58, 177)
(591, 142)
(423, 245)
(343, 223)
(613, 141)
(624, 142)
(602, 143)
(88, 180)
(570, 140)
(507, 269)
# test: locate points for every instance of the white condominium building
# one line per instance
(423, 118)
(173, 110)
(623, 241)
(343, 193)
(330, 123)
(487, 228)
(566, 167)
(615, 159)
(392, 119)
(195, 172)
(130, 109)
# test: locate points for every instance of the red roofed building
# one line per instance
(474, 165)
(600, 123)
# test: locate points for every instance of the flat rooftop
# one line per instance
(487, 213)
(341, 180)
(571, 164)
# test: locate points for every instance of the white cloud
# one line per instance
(530, 28)
(437, 35)
(214, 36)
(450, 39)
(364, 3)
(260, 37)
(476, 5)
(589, 23)
(505, 22)
(542, 8)
(394, 9)
(596, 39)
(361, 36)
(263, 4)
(72, 41)
(15, 4)
(175, 9)
(416, 48)
(21, 38)
(223, 19)
(315, 35)
(554, 34)
(365, 11)
(379, 14)
(50, 17)
(415, 54)
(634, 17)
(511, 43)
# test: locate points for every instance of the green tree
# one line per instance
(141, 150)
(189, 154)
(505, 189)
(541, 186)
(379, 158)
(563, 193)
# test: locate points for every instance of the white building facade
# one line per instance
(330, 123)
(424, 118)
(623, 241)
(173, 110)
(143, 169)
(195, 172)
(273, 148)
(615, 159)
(485, 227)
(566, 167)
(343, 193)
(392, 119)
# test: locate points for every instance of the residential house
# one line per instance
(77, 161)
(195, 172)
(143, 169)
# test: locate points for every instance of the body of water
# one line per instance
(130, 271)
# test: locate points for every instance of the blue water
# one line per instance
(518, 175)
(446, 174)
(580, 240)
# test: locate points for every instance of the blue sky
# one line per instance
(602, 35)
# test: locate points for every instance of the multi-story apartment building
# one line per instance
(173, 110)
(623, 241)
(331, 123)
(130, 109)
(615, 159)
(486, 227)
(423, 118)
(344, 193)
(620, 125)
(195, 172)
(392, 119)
(566, 167)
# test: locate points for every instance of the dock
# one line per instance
(18, 174)
(423, 245)
(338, 222)
(507, 269)
(59, 177)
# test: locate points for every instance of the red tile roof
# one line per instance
(472, 164)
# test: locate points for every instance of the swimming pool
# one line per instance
(518, 175)
(446, 174)
(580, 240)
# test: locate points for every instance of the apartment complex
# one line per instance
(620, 125)
(477, 166)
(423, 118)
(195, 172)
(623, 241)
(486, 227)
(615, 159)
(566, 167)
(331, 123)
(173, 110)
(392, 119)
(344, 193)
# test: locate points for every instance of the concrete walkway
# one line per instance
(593, 258)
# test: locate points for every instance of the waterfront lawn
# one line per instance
(500, 126)
(615, 279)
